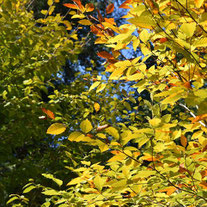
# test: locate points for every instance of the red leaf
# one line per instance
(110, 8)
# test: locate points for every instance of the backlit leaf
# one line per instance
(110, 8)
(50, 176)
(96, 106)
(99, 182)
(56, 129)
(76, 136)
(86, 126)
(113, 132)
(199, 3)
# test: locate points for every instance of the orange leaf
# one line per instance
(187, 85)
(203, 184)
(199, 3)
(72, 6)
(89, 7)
(94, 29)
(78, 2)
(169, 190)
(183, 140)
(49, 113)
(164, 39)
(116, 152)
(105, 55)
(110, 20)
(124, 5)
(110, 8)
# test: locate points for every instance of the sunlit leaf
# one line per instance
(96, 106)
(199, 3)
(56, 129)
(110, 8)
(86, 126)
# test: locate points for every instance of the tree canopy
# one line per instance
(134, 135)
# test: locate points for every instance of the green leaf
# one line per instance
(86, 126)
(28, 189)
(12, 199)
(50, 176)
(94, 85)
(56, 129)
(51, 192)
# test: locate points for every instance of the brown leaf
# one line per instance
(105, 55)
(100, 17)
(183, 140)
(89, 7)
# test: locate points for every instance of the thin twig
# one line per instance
(192, 114)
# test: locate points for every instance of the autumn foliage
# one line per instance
(157, 158)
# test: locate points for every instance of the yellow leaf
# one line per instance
(188, 28)
(50, 2)
(199, 3)
(99, 182)
(113, 132)
(94, 85)
(102, 146)
(74, 136)
(155, 122)
(96, 106)
(86, 126)
(201, 43)
(85, 22)
(143, 21)
(75, 181)
(174, 97)
(118, 157)
(56, 129)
